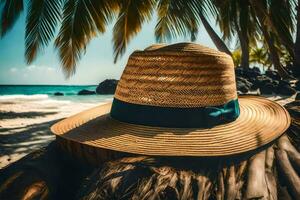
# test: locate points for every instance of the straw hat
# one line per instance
(178, 100)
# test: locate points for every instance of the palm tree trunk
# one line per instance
(245, 52)
(214, 36)
(297, 42)
(257, 5)
(274, 55)
(244, 42)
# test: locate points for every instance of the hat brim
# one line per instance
(261, 121)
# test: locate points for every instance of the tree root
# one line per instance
(256, 182)
(270, 174)
(220, 188)
(285, 144)
(289, 173)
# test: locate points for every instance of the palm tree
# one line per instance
(214, 36)
(264, 11)
(260, 56)
(234, 18)
(281, 17)
(82, 20)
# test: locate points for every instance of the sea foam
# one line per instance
(36, 99)
(24, 97)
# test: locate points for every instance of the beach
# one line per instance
(25, 120)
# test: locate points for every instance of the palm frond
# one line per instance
(133, 13)
(194, 29)
(41, 22)
(282, 17)
(10, 13)
(82, 20)
(225, 17)
(177, 18)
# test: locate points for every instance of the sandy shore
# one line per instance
(24, 124)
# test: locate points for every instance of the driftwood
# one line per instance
(66, 170)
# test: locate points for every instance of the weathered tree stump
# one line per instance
(270, 174)
(141, 177)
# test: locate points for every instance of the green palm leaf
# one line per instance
(194, 30)
(42, 19)
(10, 13)
(132, 14)
(227, 14)
(281, 15)
(82, 20)
(177, 18)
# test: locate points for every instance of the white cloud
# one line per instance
(50, 69)
(32, 74)
(42, 68)
(13, 69)
(31, 68)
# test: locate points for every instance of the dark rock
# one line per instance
(254, 87)
(58, 94)
(276, 83)
(251, 73)
(244, 80)
(243, 85)
(273, 75)
(284, 82)
(252, 80)
(261, 81)
(285, 90)
(107, 87)
(264, 79)
(256, 70)
(297, 85)
(267, 89)
(297, 96)
(239, 71)
(86, 92)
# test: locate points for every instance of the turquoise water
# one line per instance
(43, 89)
(41, 92)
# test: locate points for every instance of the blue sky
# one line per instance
(95, 66)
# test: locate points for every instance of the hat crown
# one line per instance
(182, 75)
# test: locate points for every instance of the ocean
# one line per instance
(15, 93)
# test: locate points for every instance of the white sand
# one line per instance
(24, 123)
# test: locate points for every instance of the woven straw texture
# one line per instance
(181, 75)
(261, 121)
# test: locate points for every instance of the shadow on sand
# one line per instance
(25, 139)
